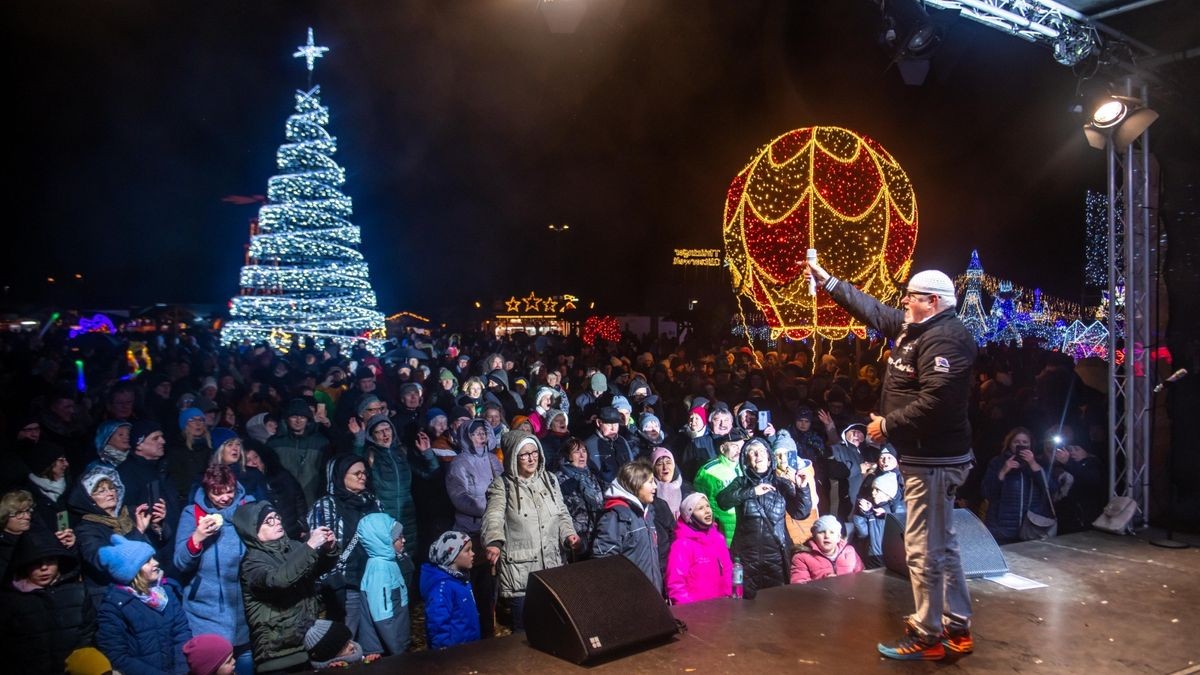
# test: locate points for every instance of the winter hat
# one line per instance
(325, 639)
(804, 413)
(699, 410)
(98, 472)
(364, 372)
(35, 545)
(658, 453)
(256, 428)
(208, 382)
(445, 374)
(646, 419)
(599, 382)
(609, 415)
(88, 661)
(221, 436)
(933, 282)
(458, 412)
(105, 432)
(142, 429)
(887, 484)
(433, 414)
(826, 524)
(206, 653)
(187, 414)
(41, 456)
(263, 511)
(689, 504)
(784, 441)
(887, 449)
(364, 403)
(446, 548)
(205, 404)
(622, 404)
(556, 412)
(298, 407)
(124, 558)
(409, 387)
(543, 392)
(518, 419)
(700, 402)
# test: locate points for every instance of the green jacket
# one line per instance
(279, 589)
(304, 457)
(710, 480)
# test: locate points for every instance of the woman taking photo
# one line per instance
(762, 499)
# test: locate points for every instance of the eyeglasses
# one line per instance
(911, 295)
(24, 512)
(376, 408)
(527, 455)
(359, 474)
(106, 488)
(272, 519)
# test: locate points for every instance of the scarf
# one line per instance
(113, 456)
(156, 599)
(671, 492)
(52, 488)
(121, 523)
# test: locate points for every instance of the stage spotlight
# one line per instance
(1119, 120)
(911, 36)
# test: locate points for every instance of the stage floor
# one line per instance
(1112, 605)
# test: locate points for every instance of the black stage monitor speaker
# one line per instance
(981, 555)
(595, 610)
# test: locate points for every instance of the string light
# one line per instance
(305, 276)
(1095, 242)
(826, 188)
(605, 327)
(697, 257)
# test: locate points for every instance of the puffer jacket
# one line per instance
(279, 590)
(810, 564)
(627, 528)
(471, 473)
(43, 626)
(450, 614)
(927, 384)
(698, 566)
(607, 455)
(584, 496)
(713, 477)
(1022, 490)
(526, 517)
(213, 592)
(140, 640)
(760, 539)
(392, 480)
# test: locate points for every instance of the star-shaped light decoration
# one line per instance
(550, 305)
(512, 304)
(310, 52)
(532, 303)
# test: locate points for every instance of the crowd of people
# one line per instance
(185, 507)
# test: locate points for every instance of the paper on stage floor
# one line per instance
(1016, 582)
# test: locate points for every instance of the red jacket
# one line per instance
(810, 565)
(698, 566)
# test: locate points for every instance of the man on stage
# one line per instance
(924, 401)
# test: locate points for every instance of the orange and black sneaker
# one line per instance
(958, 640)
(914, 646)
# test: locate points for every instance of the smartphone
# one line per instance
(764, 419)
(153, 494)
(321, 410)
(64, 521)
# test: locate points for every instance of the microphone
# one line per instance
(1174, 376)
(811, 259)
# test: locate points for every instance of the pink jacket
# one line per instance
(810, 565)
(698, 566)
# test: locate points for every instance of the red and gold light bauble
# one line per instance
(826, 188)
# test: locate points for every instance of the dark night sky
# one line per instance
(466, 127)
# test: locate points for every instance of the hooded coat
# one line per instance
(627, 528)
(471, 473)
(93, 530)
(526, 518)
(279, 590)
(340, 511)
(213, 593)
(698, 565)
(284, 493)
(43, 625)
(760, 539)
(141, 640)
(391, 472)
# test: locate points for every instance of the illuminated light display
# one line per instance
(412, 315)
(98, 323)
(305, 277)
(1095, 242)
(826, 188)
(971, 311)
(532, 306)
(603, 327)
(697, 257)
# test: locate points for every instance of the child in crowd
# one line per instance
(209, 654)
(870, 516)
(330, 645)
(450, 614)
(698, 566)
(383, 589)
(827, 555)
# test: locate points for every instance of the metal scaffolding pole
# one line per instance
(1131, 291)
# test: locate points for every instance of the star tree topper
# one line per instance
(310, 52)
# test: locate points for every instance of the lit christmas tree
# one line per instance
(971, 313)
(305, 276)
(1003, 318)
